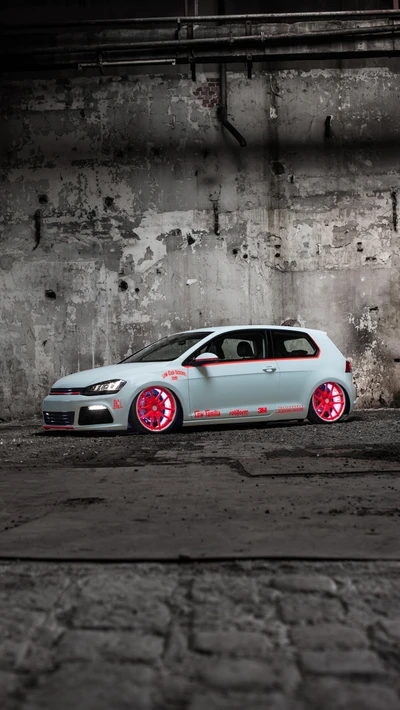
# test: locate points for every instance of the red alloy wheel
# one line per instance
(329, 401)
(156, 409)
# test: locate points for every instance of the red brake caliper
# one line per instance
(156, 408)
(329, 401)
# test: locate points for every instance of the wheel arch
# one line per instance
(338, 381)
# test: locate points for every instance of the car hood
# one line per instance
(125, 371)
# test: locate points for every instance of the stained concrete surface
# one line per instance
(160, 511)
(131, 174)
(231, 493)
(196, 634)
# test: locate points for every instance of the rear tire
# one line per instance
(155, 410)
(328, 404)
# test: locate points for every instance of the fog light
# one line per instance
(100, 415)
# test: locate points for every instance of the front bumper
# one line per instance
(79, 413)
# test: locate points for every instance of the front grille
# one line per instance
(59, 418)
(65, 390)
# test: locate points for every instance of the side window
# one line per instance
(288, 343)
(238, 345)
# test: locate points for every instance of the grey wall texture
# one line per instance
(127, 213)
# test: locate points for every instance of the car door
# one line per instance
(297, 356)
(243, 383)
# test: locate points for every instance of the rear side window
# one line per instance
(238, 345)
(289, 343)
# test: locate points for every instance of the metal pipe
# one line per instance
(318, 55)
(127, 62)
(220, 19)
(223, 107)
(199, 42)
(222, 111)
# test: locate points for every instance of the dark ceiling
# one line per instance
(43, 11)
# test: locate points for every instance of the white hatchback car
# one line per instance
(211, 375)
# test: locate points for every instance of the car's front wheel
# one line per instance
(328, 404)
(154, 411)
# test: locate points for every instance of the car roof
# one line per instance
(227, 328)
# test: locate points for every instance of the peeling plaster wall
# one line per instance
(130, 178)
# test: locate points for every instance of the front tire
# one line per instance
(328, 404)
(155, 410)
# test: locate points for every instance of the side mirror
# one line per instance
(205, 359)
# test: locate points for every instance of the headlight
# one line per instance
(108, 387)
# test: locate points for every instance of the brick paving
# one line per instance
(200, 636)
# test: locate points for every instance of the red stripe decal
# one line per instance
(58, 427)
(56, 393)
(291, 408)
(248, 362)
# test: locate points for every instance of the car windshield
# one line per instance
(168, 348)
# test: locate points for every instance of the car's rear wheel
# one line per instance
(328, 404)
(155, 410)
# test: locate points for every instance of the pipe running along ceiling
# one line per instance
(199, 39)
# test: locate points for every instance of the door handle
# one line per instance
(269, 369)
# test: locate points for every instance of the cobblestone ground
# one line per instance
(254, 636)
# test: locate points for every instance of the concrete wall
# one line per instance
(153, 219)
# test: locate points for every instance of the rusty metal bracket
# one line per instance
(190, 54)
(100, 63)
(249, 64)
(217, 229)
(37, 218)
(192, 64)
